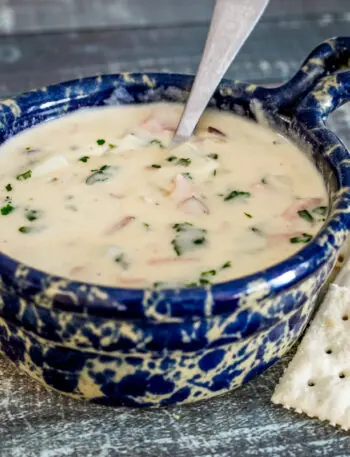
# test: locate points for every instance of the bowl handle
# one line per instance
(319, 74)
(328, 94)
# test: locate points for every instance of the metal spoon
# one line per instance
(231, 24)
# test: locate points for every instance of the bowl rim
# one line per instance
(194, 302)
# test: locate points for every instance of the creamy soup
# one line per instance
(98, 196)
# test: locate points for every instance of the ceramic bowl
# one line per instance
(150, 347)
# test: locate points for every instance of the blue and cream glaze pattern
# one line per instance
(159, 347)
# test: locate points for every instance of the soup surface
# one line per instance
(97, 196)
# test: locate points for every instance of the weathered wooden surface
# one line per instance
(35, 422)
(272, 53)
(115, 35)
(22, 16)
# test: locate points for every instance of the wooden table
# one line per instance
(114, 35)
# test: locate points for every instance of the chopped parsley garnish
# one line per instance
(156, 165)
(199, 240)
(26, 175)
(157, 143)
(320, 210)
(263, 181)
(7, 209)
(214, 173)
(176, 246)
(213, 156)
(32, 214)
(25, 229)
(304, 238)
(188, 176)
(204, 277)
(98, 175)
(208, 273)
(248, 215)
(256, 230)
(84, 159)
(122, 261)
(8, 187)
(236, 193)
(183, 162)
(181, 227)
(188, 237)
(100, 142)
(112, 146)
(159, 284)
(147, 226)
(306, 215)
(204, 281)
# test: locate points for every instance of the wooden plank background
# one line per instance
(46, 41)
(23, 16)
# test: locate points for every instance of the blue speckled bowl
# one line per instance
(147, 347)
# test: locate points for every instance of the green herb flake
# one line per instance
(25, 229)
(84, 159)
(184, 162)
(26, 175)
(213, 156)
(214, 173)
(7, 209)
(199, 241)
(147, 226)
(32, 214)
(8, 187)
(171, 158)
(159, 284)
(263, 181)
(100, 142)
(236, 193)
(304, 238)
(204, 281)
(182, 226)
(187, 237)
(188, 176)
(157, 143)
(226, 265)
(306, 215)
(156, 165)
(98, 175)
(112, 146)
(176, 246)
(208, 273)
(121, 260)
(248, 215)
(320, 210)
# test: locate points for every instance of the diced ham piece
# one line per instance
(172, 260)
(160, 122)
(131, 281)
(119, 225)
(193, 206)
(181, 188)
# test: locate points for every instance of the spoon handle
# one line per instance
(231, 24)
